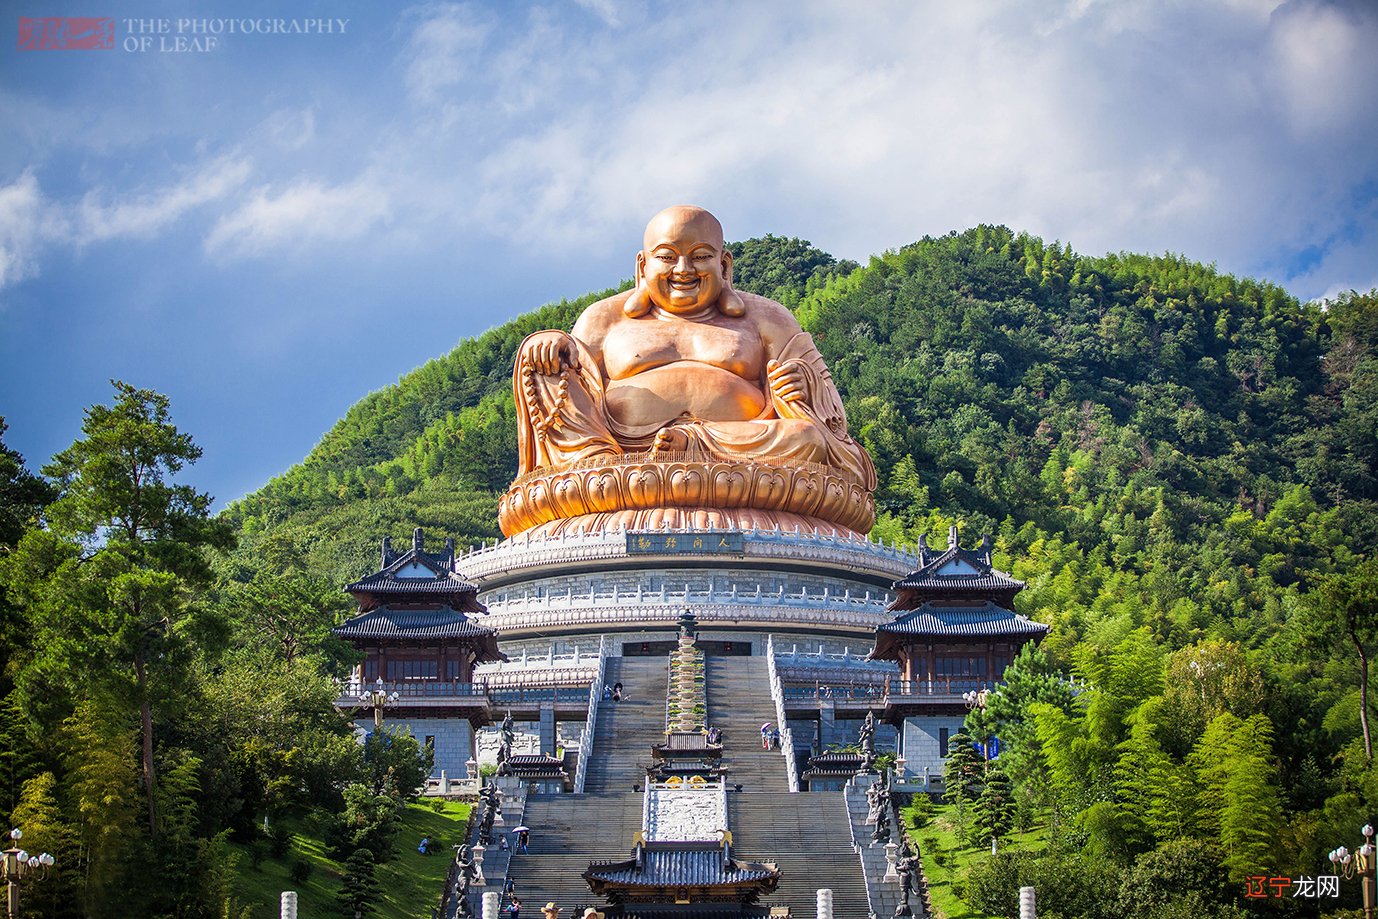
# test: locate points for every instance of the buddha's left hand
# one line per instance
(787, 381)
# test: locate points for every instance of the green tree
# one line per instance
(995, 806)
(1343, 608)
(23, 496)
(961, 774)
(111, 583)
(358, 894)
(1205, 679)
(1238, 800)
(395, 764)
(368, 821)
(39, 814)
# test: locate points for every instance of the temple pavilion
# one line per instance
(954, 633)
(419, 633)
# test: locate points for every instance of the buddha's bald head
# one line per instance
(683, 266)
(683, 222)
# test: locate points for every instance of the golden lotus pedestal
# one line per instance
(657, 490)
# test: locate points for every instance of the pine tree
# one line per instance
(359, 888)
(961, 775)
(995, 807)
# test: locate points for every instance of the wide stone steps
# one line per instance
(567, 833)
(626, 730)
(739, 702)
(808, 837)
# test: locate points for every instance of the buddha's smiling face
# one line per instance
(683, 263)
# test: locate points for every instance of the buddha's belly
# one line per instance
(684, 388)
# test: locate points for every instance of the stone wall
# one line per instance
(922, 741)
(453, 741)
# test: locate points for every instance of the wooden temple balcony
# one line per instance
(417, 698)
(936, 696)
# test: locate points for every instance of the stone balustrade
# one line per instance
(786, 735)
(547, 617)
(527, 553)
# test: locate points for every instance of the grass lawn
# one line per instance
(946, 857)
(409, 884)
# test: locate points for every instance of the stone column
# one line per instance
(1026, 903)
(491, 899)
(289, 904)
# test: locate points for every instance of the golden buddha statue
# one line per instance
(683, 402)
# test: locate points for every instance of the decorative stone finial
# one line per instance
(923, 548)
(450, 548)
(986, 545)
(418, 539)
(387, 552)
(952, 537)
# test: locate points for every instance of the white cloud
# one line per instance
(442, 48)
(605, 10)
(95, 220)
(21, 217)
(302, 214)
(31, 223)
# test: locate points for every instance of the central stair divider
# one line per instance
(777, 691)
(595, 696)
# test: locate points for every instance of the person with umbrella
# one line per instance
(523, 837)
(765, 736)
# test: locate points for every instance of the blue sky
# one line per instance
(270, 229)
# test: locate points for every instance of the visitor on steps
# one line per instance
(514, 907)
(765, 736)
(774, 738)
(523, 839)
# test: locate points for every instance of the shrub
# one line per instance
(299, 872)
(279, 840)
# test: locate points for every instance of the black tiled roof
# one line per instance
(445, 579)
(986, 621)
(681, 868)
(386, 622)
(835, 763)
(986, 578)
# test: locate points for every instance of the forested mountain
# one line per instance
(1180, 463)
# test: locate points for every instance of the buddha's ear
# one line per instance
(639, 303)
(729, 301)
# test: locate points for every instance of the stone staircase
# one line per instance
(626, 730)
(739, 702)
(569, 831)
(807, 835)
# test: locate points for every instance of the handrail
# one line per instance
(362, 690)
(595, 695)
(946, 686)
(786, 735)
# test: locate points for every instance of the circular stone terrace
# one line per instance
(639, 580)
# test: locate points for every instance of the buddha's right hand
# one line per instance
(551, 351)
